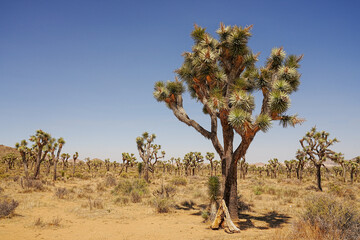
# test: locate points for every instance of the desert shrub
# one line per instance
(163, 205)
(205, 215)
(341, 192)
(332, 217)
(122, 200)
(39, 222)
(136, 196)
(1, 190)
(258, 190)
(55, 222)
(165, 191)
(179, 181)
(100, 187)
(7, 206)
(28, 184)
(292, 193)
(61, 193)
(98, 204)
(110, 180)
(126, 187)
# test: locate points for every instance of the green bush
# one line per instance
(213, 188)
(135, 189)
(258, 190)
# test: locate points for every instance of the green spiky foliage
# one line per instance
(149, 152)
(128, 160)
(316, 146)
(339, 158)
(221, 74)
(213, 188)
(107, 164)
(210, 157)
(178, 165)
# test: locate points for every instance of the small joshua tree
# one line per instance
(353, 167)
(128, 160)
(60, 144)
(65, 157)
(41, 142)
(302, 159)
(9, 159)
(290, 165)
(274, 167)
(316, 147)
(210, 157)
(24, 153)
(243, 166)
(75, 157)
(148, 152)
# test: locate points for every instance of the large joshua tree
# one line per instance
(221, 74)
(315, 145)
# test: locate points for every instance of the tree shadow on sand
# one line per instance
(273, 220)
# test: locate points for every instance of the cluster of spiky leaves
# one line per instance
(221, 74)
(128, 158)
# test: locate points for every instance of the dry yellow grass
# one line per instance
(87, 209)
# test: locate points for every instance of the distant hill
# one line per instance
(5, 150)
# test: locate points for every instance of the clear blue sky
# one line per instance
(84, 71)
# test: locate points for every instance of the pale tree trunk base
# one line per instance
(223, 219)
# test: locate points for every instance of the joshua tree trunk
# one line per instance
(318, 176)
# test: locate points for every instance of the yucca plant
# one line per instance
(222, 75)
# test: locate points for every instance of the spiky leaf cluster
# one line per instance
(222, 75)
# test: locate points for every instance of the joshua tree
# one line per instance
(75, 157)
(243, 165)
(221, 74)
(9, 159)
(128, 160)
(274, 167)
(24, 153)
(316, 146)
(60, 143)
(343, 163)
(302, 159)
(41, 146)
(155, 157)
(216, 165)
(107, 164)
(148, 152)
(88, 163)
(353, 167)
(178, 165)
(65, 157)
(210, 157)
(289, 166)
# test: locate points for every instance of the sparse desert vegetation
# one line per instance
(277, 205)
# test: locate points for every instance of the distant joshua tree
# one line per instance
(210, 157)
(316, 147)
(60, 143)
(148, 152)
(128, 160)
(75, 157)
(290, 165)
(9, 159)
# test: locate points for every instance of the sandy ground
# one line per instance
(133, 221)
